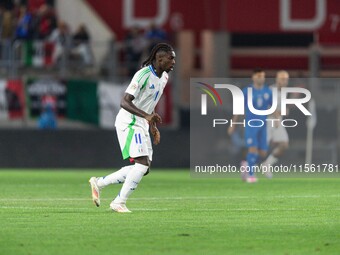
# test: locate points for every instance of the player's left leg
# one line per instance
(280, 143)
(265, 170)
(277, 152)
(141, 152)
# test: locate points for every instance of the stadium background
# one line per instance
(211, 38)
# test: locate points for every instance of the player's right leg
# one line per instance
(252, 157)
(98, 183)
(95, 191)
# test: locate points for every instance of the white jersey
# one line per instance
(147, 89)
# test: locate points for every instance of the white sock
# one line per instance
(270, 161)
(132, 180)
(114, 178)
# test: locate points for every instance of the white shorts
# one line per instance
(134, 142)
(277, 135)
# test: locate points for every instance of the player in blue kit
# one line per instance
(255, 134)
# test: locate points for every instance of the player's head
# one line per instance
(258, 77)
(162, 57)
(282, 78)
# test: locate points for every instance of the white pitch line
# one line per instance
(74, 208)
(174, 198)
(168, 209)
(43, 208)
(151, 209)
(44, 199)
(234, 197)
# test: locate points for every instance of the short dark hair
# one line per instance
(258, 70)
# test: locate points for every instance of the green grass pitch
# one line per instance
(51, 212)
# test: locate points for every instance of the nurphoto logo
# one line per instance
(302, 96)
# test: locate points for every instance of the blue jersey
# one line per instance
(262, 100)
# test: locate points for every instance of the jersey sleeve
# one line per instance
(138, 82)
(134, 86)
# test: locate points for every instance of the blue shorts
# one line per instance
(256, 137)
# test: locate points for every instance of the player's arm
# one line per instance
(127, 104)
(155, 133)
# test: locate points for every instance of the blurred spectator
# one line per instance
(24, 28)
(7, 24)
(81, 44)
(48, 118)
(8, 4)
(135, 45)
(50, 2)
(7, 28)
(44, 22)
(35, 4)
(155, 35)
(2, 10)
(62, 39)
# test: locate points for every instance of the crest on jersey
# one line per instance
(134, 86)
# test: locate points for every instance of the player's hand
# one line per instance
(153, 118)
(155, 134)
(231, 130)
